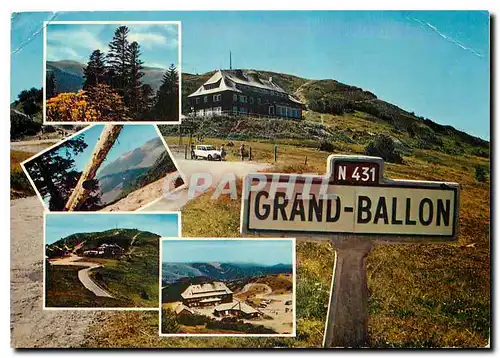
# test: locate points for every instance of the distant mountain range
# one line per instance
(69, 75)
(122, 173)
(172, 272)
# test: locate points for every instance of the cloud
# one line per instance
(149, 40)
(60, 42)
(157, 65)
(446, 37)
(150, 36)
(56, 53)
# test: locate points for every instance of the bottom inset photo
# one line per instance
(104, 260)
(227, 287)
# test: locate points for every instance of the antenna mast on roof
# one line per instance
(230, 61)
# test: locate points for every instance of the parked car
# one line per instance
(208, 152)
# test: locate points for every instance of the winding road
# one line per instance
(83, 274)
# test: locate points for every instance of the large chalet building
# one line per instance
(243, 92)
(206, 294)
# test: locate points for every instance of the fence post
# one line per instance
(249, 153)
(275, 152)
(305, 162)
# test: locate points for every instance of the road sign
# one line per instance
(353, 206)
(353, 198)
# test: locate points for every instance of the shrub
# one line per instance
(481, 173)
(192, 319)
(19, 182)
(383, 146)
(99, 103)
(326, 146)
(168, 321)
(239, 326)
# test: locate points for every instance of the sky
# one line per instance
(264, 252)
(158, 42)
(58, 226)
(131, 137)
(435, 64)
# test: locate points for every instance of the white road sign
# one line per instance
(353, 198)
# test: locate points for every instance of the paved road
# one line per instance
(217, 170)
(83, 274)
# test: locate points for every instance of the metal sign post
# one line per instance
(354, 207)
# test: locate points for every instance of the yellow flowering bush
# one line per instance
(98, 104)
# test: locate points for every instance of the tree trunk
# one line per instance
(108, 137)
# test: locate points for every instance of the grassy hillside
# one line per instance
(162, 166)
(342, 102)
(420, 295)
(63, 289)
(19, 184)
(132, 278)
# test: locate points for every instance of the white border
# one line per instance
(294, 288)
(179, 67)
(160, 240)
(181, 174)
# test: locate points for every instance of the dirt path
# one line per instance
(33, 146)
(31, 326)
(248, 286)
(218, 171)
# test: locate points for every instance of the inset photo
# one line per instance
(105, 168)
(227, 287)
(112, 71)
(105, 260)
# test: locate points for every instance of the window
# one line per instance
(243, 99)
(251, 100)
(217, 97)
(243, 110)
(258, 100)
(205, 99)
(200, 113)
(235, 97)
(218, 110)
(197, 100)
(235, 109)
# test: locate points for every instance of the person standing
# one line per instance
(222, 152)
(192, 151)
(242, 151)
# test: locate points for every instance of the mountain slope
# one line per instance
(141, 157)
(90, 240)
(134, 170)
(341, 103)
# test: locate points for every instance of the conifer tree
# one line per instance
(54, 174)
(167, 97)
(133, 96)
(118, 59)
(95, 72)
(51, 85)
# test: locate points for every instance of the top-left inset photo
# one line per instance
(112, 71)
